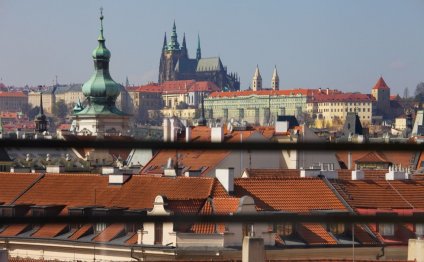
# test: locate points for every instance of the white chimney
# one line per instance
(139, 237)
(226, 178)
(328, 91)
(396, 173)
(188, 134)
(281, 126)
(217, 134)
(358, 174)
(173, 130)
(169, 170)
(120, 176)
(166, 130)
(349, 160)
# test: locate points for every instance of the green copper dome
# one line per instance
(101, 88)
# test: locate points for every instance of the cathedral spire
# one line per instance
(41, 119)
(173, 44)
(184, 42)
(198, 52)
(165, 42)
(257, 80)
(275, 82)
(41, 104)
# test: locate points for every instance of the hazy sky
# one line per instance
(338, 44)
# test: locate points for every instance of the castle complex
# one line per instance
(175, 64)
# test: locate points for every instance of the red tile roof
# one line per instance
(50, 230)
(373, 157)
(315, 234)
(14, 184)
(13, 94)
(132, 240)
(290, 92)
(288, 194)
(179, 87)
(401, 194)
(137, 193)
(204, 160)
(283, 173)
(394, 157)
(381, 84)
(345, 97)
(82, 231)
(110, 233)
(14, 230)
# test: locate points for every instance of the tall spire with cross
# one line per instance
(198, 51)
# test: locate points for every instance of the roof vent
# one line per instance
(397, 173)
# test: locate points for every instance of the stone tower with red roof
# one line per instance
(381, 93)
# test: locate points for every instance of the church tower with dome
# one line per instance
(101, 117)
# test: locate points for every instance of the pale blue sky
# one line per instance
(338, 44)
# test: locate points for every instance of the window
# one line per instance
(336, 228)
(386, 229)
(247, 229)
(100, 227)
(284, 229)
(133, 227)
(419, 229)
(158, 233)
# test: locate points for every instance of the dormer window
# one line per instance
(336, 228)
(284, 229)
(386, 229)
(419, 229)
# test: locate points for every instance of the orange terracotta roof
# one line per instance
(284, 173)
(315, 234)
(132, 240)
(225, 206)
(394, 157)
(8, 114)
(138, 192)
(14, 184)
(288, 194)
(178, 87)
(82, 231)
(13, 94)
(14, 230)
(194, 160)
(192, 206)
(110, 233)
(381, 84)
(382, 193)
(345, 97)
(368, 174)
(362, 236)
(286, 92)
(50, 230)
(204, 228)
(373, 157)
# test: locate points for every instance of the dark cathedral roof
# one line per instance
(209, 64)
(186, 65)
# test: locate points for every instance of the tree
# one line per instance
(60, 109)
(419, 92)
